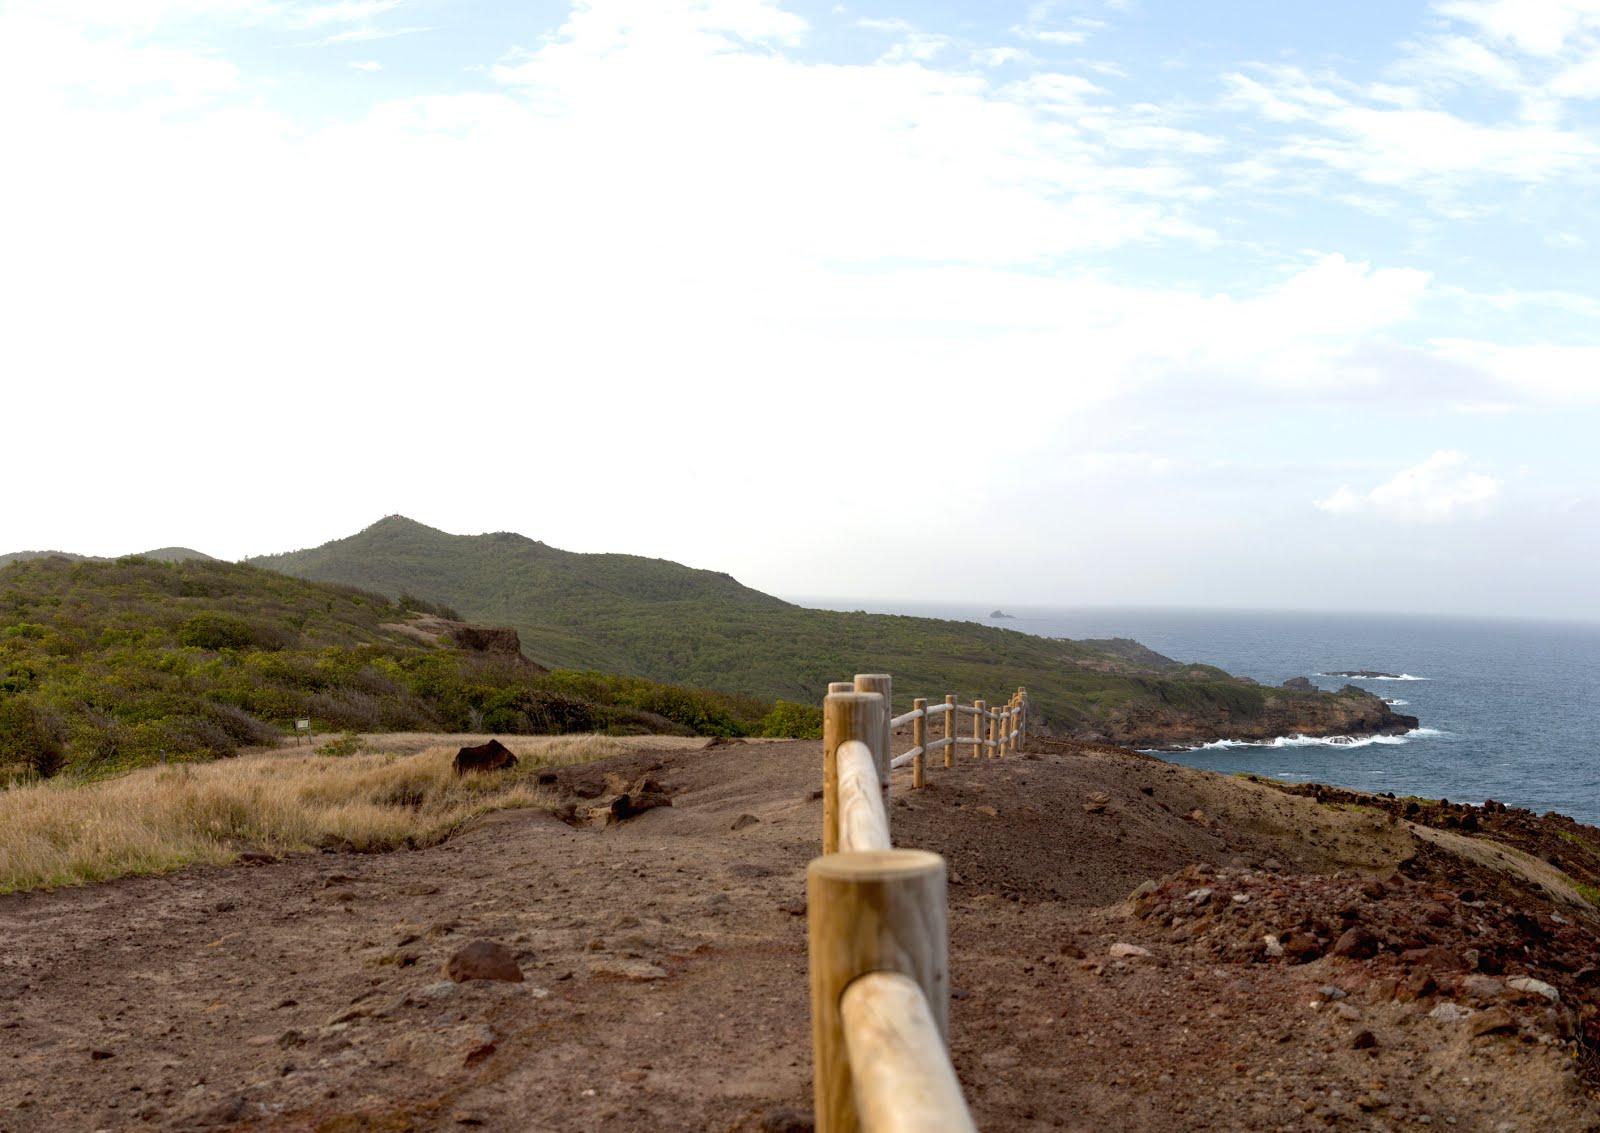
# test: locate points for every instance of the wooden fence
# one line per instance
(879, 933)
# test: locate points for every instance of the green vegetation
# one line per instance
(1582, 843)
(163, 554)
(105, 666)
(658, 620)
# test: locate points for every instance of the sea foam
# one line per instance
(1321, 741)
(1397, 677)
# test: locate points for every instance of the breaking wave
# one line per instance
(1321, 741)
(1396, 677)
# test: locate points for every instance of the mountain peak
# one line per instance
(398, 522)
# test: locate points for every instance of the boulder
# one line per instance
(483, 960)
(492, 756)
(1300, 684)
(1356, 944)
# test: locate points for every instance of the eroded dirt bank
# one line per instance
(665, 979)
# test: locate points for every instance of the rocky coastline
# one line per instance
(1295, 708)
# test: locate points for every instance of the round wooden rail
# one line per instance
(883, 685)
(899, 1067)
(846, 717)
(872, 912)
(863, 819)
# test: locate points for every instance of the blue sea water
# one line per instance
(1509, 709)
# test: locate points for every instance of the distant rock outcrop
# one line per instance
(1300, 684)
(1350, 712)
(498, 641)
(486, 639)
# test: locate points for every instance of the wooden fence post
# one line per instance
(1022, 728)
(919, 740)
(950, 730)
(845, 716)
(977, 730)
(841, 686)
(994, 735)
(881, 684)
(882, 911)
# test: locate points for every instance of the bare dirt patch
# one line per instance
(665, 969)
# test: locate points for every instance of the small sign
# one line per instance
(302, 725)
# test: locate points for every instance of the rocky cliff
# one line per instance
(1282, 712)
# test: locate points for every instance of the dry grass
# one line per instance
(160, 819)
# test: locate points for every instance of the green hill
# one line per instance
(106, 665)
(657, 619)
(163, 554)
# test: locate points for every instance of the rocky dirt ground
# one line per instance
(1283, 963)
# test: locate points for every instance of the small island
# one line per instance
(1001, 614)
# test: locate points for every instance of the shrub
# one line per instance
(789, 720)
(216, 631)
(347, 744)
(28, 737)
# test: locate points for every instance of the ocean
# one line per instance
(1509, 709)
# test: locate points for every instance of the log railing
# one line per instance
(879, 933)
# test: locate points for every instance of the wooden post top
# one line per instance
(877, 865)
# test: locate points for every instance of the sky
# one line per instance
(1091, 302)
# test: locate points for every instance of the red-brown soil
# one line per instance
(665, 967)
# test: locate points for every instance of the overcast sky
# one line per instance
(1246, 303)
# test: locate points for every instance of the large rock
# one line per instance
(628, 800)
(483, 960)
(1356, 943)
(492, 756)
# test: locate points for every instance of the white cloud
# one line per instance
(1344, 129)
(367, 66)
(1000, 56)
(1554, 373)
(1540, 27)
(1435, 491)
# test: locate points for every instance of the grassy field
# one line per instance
(164, 818)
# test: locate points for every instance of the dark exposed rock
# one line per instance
(492, 756)
(486, 639)
(1302, 948)
(1356, 944)
(483, 960)
(1438, 959)
(1300, 684)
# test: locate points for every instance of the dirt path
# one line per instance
(666, 972)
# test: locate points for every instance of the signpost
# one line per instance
(303, 727)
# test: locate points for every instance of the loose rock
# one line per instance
(483, 960)
(1536, 987)
(1491, 1020)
